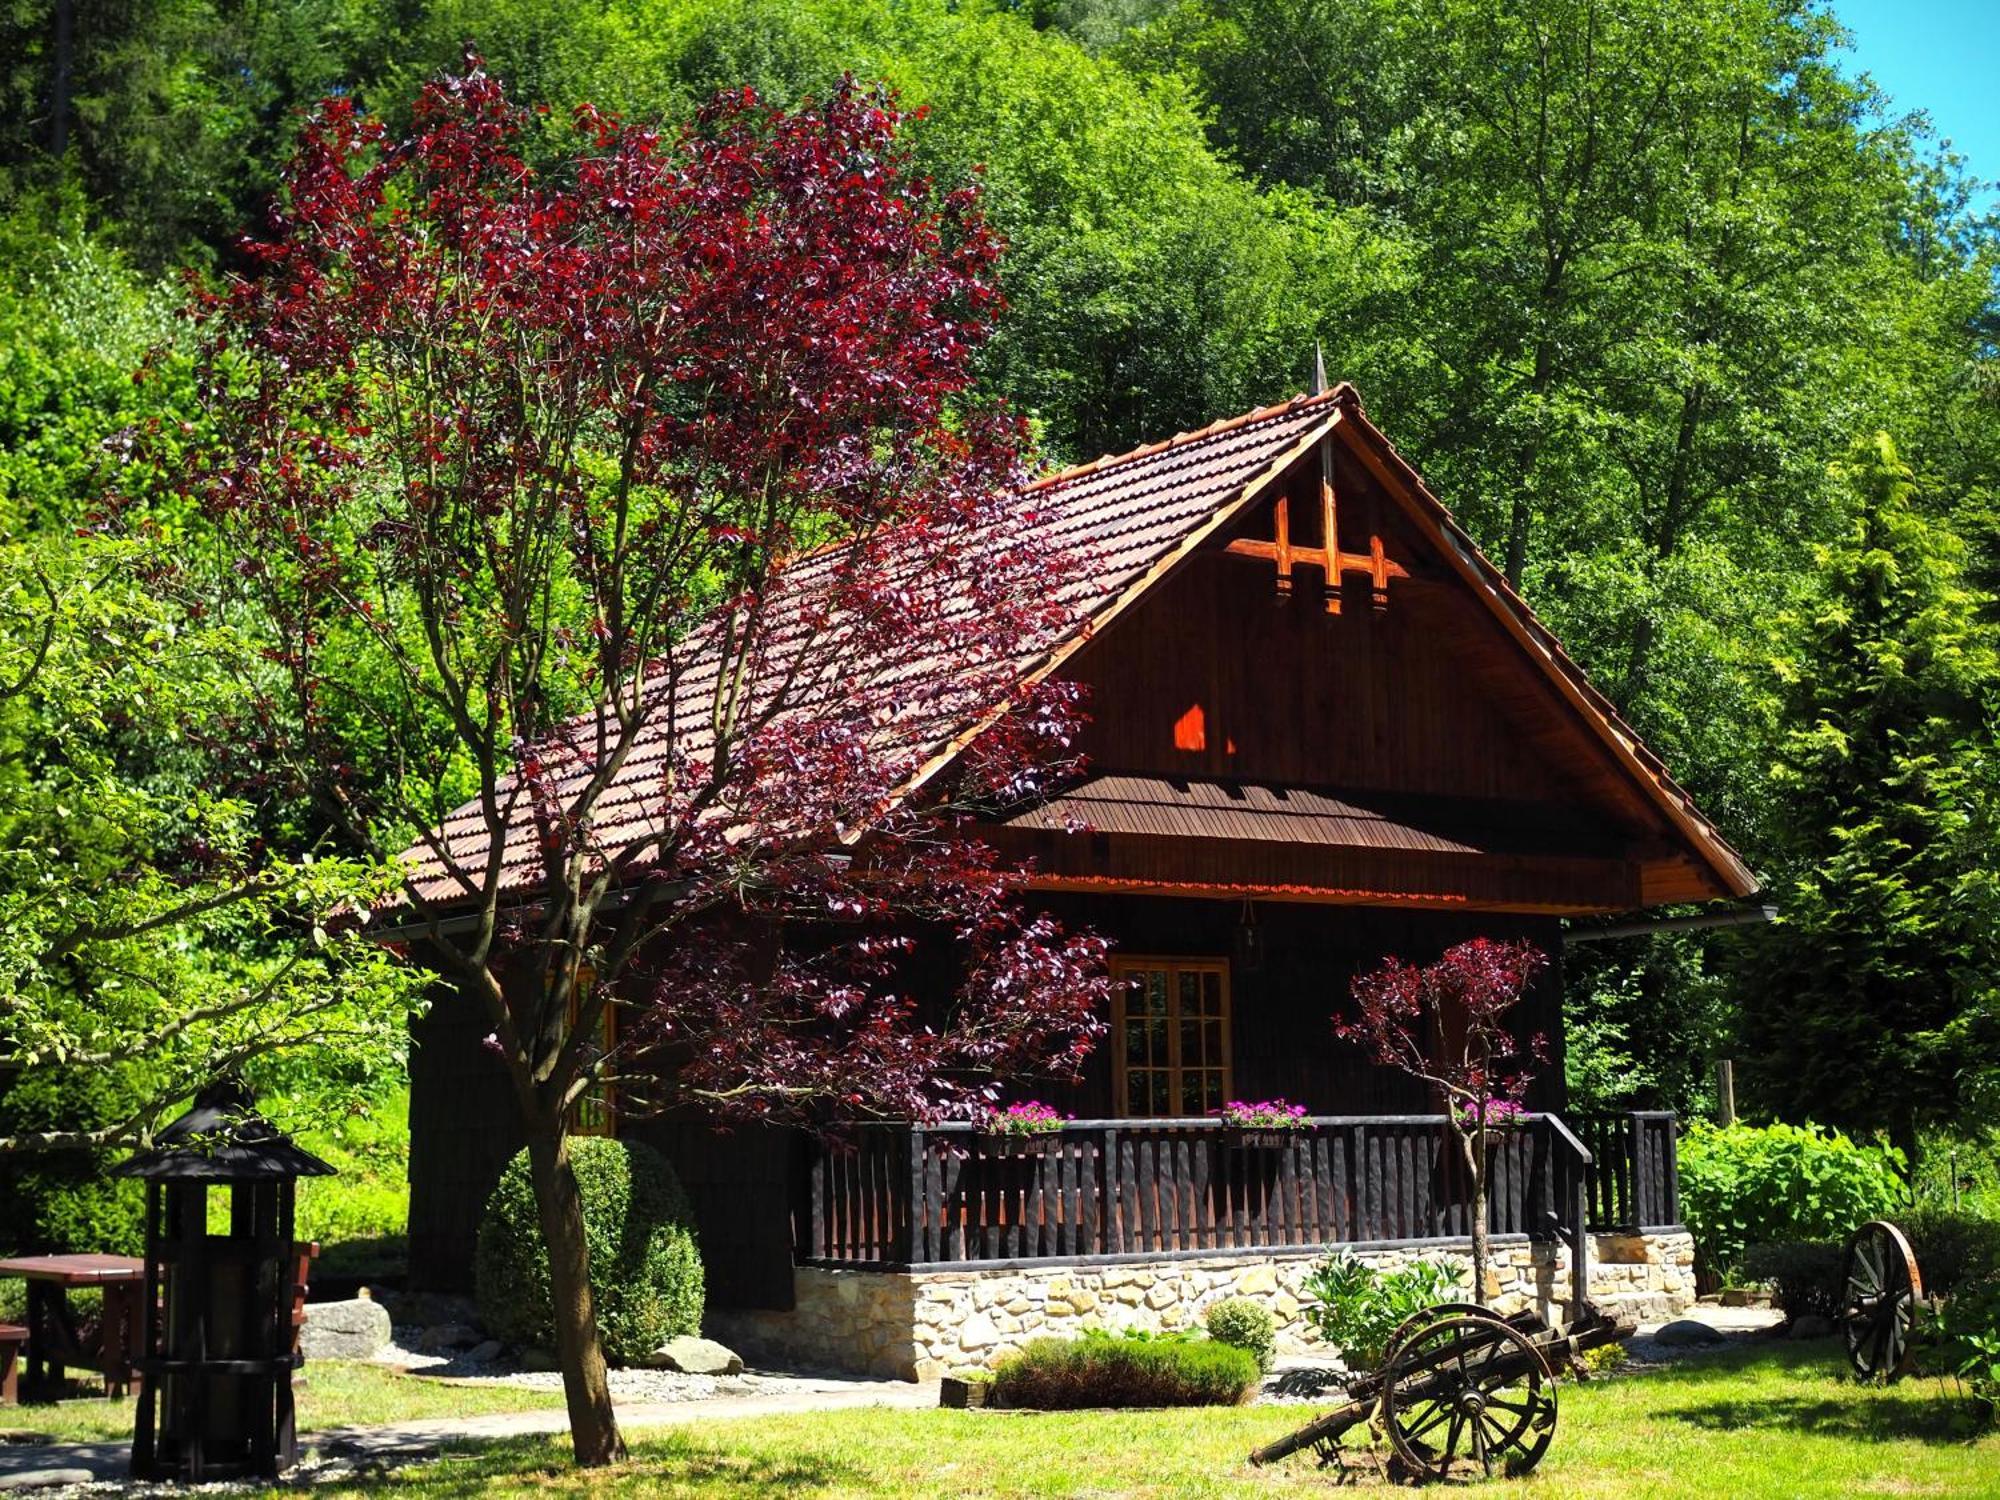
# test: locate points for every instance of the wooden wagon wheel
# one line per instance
(1880, 1289)
(1427, 1316)
(1466, 1397)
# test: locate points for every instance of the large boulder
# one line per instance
(344, 1330)
(694, 1356)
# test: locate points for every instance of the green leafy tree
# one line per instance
(144, 946)
(1871, 1005)
(145, 940)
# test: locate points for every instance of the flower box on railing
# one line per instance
(1266, 1124)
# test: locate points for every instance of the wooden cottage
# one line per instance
(1323, 729)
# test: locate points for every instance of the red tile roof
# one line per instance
(1128, 515)
(1133, 516)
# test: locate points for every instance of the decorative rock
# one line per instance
(444, 1337)
(344, 1330)
(535, 1361)
(1686, 1331)
(1810, 1326)
(696, 1356)
(484, 1354)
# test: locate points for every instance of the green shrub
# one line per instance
(1953, 1250)
(1603, 1359)
(1357, 1307)
(1051, 1374)
(1805, 1275)
(1748, 1184)
(645, 1267)
(1967, 1329)
(1244, 1324)
(368, 1197)
(62, 1201)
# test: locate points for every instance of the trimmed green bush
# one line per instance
(64, 1201)
(1743, 1185)
(645, 1266)
(1099, 1369)
(1953, 1250)
(1243, 1324)
(1805, 1275)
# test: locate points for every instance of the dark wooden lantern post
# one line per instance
(216, 1348)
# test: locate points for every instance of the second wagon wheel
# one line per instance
(1880, 1289)
(1466, 1397)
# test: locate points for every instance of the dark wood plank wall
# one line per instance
(1281, 1038)
(1428, 697)
(464, 1128)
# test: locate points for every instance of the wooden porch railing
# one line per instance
(1635, 1172)
(953, 1195)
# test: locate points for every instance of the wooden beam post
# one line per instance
(1282, 516)
(1330, 529)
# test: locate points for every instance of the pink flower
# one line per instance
(1264, 1114)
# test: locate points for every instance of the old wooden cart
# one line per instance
(1460, 1394)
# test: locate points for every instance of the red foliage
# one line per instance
(1445, 1022)
(653, 486)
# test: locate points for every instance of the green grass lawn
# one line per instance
(1771, 1419)
(331, 1393)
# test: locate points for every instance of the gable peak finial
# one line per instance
(1319, 369)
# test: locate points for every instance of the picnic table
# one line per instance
(55, 1339)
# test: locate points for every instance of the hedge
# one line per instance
(645, 1266)
(1052, 1374)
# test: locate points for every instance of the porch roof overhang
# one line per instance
(1119, 833)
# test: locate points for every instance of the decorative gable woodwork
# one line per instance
(1328, 556)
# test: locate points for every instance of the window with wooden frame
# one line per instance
(1170, 1036)
(596, 1112)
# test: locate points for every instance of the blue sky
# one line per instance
(1940, 56)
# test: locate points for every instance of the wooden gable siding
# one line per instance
(1426, 701)
(1281, 1014)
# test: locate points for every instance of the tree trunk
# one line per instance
(59, 81)
(593, 1425)
(1475, 1162)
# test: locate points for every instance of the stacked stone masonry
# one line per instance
(916, 1325)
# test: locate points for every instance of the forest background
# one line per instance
(1694, 331)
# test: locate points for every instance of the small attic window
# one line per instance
(1191, 730)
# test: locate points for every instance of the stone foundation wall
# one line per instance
(916, 1325)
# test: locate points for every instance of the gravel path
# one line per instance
(69, 1471)
(626, 1385)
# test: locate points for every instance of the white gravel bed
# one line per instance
(626, 1385)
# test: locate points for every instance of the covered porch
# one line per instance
(907, 1197)
(919, 1250)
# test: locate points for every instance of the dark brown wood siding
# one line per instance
(464, 1128)
(1281, 1040)
(1427, 697)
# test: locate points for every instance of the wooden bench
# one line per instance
(13, 1339)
